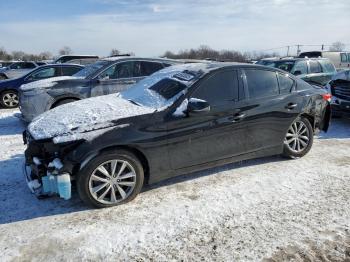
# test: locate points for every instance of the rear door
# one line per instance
(270, 108)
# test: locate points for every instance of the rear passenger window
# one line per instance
(28, 66)
(148, 68)
(220, 88)
(343, 58)
(300, 68)
(327, 66)
(69, 71)
(315, 67)
(261, 83)
(285, 83)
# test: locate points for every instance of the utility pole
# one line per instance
(322, 47)
(287, 50)
(298, 50)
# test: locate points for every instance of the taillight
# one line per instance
(327, 97)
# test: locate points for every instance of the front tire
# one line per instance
(299, 139)
(110, 179)
(9, 99)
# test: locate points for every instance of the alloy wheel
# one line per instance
(112, 181)
(10, 99)
(297, 137)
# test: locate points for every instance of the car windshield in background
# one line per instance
(283, 65)
(91, 69)
(159, 90)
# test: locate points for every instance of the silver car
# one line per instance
(106, 76)
(18, 69)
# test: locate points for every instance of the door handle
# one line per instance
(238, 117)
(291, 106)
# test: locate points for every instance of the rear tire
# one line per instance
(299, 138)
(110, 179)
(9, 99)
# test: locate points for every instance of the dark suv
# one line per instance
(106, 76)
(339, 87)
(313, 70)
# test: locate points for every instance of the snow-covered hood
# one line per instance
(47, 83)
(66, 122)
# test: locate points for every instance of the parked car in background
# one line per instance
(341, 60)
(339, 87)
(179, 120)
(6, 63)
(313, 70)
(18, 69)
(106, 76)
(9, 88)
(76, 59)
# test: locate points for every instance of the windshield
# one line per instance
(91, 69)
(160, 89)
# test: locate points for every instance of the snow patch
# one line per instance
(46, 83)
(67, 121)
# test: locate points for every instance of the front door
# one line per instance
(214, 135)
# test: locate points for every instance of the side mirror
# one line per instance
(297, 73)
(197, 106)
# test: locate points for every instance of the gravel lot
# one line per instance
(268, 209)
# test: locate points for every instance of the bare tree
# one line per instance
(66, 50)
(19, 55)
(114, 52)
(337, 46)
(45, 55)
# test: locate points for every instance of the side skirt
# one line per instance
(252, 155)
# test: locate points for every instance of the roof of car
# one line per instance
(286, 59)
(212, 66)
(118, 58)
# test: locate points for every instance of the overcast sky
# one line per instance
(150, 27)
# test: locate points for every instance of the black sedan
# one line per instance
(181, 119)
(9, 88)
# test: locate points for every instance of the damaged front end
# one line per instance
(46, 171)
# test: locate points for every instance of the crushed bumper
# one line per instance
(49, 185)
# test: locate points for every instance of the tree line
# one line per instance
(205, 52)
(202, 52)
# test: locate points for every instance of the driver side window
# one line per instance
(117, 71)
(218, 89)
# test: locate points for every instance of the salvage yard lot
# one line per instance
(271, 208)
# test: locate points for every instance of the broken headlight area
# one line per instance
(45, 170)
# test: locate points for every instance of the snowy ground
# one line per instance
(267, 209)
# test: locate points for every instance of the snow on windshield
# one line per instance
(162, 88)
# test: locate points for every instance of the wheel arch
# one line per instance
(137, 152)
(54, 104)
(3, 74)
(311, 119)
